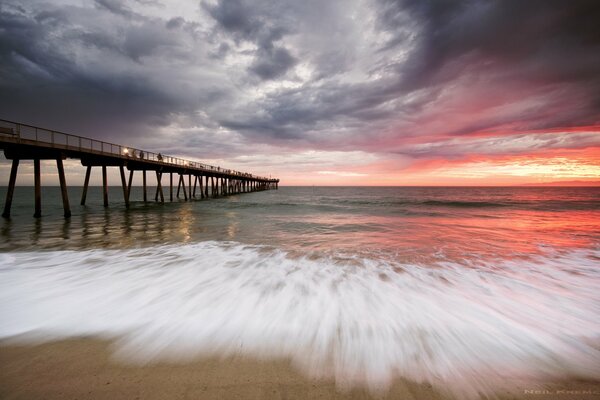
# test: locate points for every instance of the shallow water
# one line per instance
(470, 289)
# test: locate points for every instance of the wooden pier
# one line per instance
(26, 142)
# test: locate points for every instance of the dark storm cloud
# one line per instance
(115, 6)
(247, 21)
(272, 63)
(548, 51)
(544, 41)
(339, 75)
(82, 70)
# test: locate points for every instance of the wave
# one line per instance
(536, 205)
(470, 330)
(542, 205)
(417, 205)
(466, 204)
(409, 202)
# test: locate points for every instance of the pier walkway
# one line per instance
(26, 142)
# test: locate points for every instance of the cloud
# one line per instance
(341, 173)
(385, 78)
(272, 63)
(256, 23)
(504, 145)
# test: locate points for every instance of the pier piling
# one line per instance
(11, 187)
(38, 188)
(129, 186)
(86, 183)
(159, 190)
(182, 180)
(63, 187)
(144, 184)
(26, 142)
(124, 185)
(104, 186)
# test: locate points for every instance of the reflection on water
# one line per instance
(232, 225)
(184, 222)
(410, 223)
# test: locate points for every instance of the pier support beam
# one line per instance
(86, 183)
(104, 186)
(159, 190)
(129, 185)
(124, 184)
(38, 188)
(11, 187)
(145, 188)
(201, 188)
(170, 186)
(63, 187)
(182, 184)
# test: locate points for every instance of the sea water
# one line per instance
(468, 289)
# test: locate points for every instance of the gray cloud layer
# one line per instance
(382, 76)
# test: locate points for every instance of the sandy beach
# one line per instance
(85, 369)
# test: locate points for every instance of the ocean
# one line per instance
(470, 289)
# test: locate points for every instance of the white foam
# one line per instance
(467, 329)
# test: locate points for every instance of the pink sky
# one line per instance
(354, 92)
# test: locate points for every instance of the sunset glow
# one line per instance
(409, 93)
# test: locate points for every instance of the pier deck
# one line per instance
(26, 142)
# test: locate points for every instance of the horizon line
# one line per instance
(595, 184)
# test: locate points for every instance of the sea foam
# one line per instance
(468, 329)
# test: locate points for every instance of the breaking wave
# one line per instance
(361, 321)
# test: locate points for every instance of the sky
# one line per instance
(339, 92)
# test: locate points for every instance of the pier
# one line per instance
(194, 180)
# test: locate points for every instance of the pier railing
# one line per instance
(23, 133)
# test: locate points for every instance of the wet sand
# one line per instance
(84, 369)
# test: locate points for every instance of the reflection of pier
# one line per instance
(25, 142)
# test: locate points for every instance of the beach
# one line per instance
(85, 369)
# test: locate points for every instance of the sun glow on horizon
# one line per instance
(489, 171)
(550, 169)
